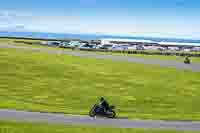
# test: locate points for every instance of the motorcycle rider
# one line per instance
(187, 59)
(104, 104)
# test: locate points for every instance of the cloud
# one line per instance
(7, 22)
(18, 21)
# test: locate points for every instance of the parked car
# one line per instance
(173, 48)
(134, 47)
(186, 49)
(120, 47)
(53, 43)
(87, 46)
(106, 46)
(73, 44)
(64, 44)
(161, 48)
(138, 47)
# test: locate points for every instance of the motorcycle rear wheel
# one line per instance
(112, 115)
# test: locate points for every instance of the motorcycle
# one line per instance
(187, 61)
(96, 110)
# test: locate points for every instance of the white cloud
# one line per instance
(29, 22)
(9, 21)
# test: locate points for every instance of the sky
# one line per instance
(161, 18)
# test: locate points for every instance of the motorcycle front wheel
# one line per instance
(112, 115)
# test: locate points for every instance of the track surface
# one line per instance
(23, 116)
(164, 63)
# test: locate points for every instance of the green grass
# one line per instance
(60, 83)
(4, 40)
(14, 127)
(13, 42)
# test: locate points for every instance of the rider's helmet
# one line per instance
(101, 99)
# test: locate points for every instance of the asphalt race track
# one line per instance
(23, 116)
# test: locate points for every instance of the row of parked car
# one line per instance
(79, 45)
(109, 47)
(117, 47)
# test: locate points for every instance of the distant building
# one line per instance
(196, 49)
(126, 41)
(151, 45)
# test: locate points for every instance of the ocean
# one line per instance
(90, 37)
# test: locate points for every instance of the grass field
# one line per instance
(13, 42)
(14, 127)
(60, 83)
(7, 40)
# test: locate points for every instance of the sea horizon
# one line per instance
(90, 36)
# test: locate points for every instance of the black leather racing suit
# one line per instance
(104, 104)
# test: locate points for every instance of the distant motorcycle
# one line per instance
(96, 110)
(187, 61)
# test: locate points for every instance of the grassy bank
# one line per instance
(60, 83)
(14, 127)
(24, 42)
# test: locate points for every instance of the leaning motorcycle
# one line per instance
(96, 110)
(187, 61)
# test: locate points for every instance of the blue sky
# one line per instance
(168, 18)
